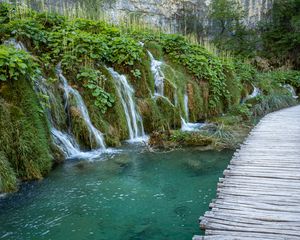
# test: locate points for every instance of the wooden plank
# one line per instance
(259, 195)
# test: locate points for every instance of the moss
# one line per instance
(114, 131)
(170, 115)
(176, 79)
(234, 87)
(155, 49)
(57, 108)
(24, 131)
(177, 138)
(8, 179)
(159, 114)
(144, 85)
(80, 129)
(151, 114)
(197, 107)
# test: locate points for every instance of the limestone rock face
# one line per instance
(173, 15)
(167, 14)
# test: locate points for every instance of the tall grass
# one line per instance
(92, 10)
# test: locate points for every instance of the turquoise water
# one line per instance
(131, 195)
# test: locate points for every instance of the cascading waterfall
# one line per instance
(64, 141)
(82, 107)
(126, 94)
(159, 91)
(158, 75)
(159, 79)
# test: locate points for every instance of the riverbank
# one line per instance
(73, 87)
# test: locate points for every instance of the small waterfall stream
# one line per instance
(81, 106)
(64, 141)
(291, 90)
(186, 126)
(186, 106)
(255, 93)
(158, 75)
(126, 94)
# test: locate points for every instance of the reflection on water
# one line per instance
(131, 195)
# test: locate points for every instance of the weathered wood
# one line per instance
(259, 195)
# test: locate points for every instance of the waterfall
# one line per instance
(291, 90)
(255, 93)
(64, 141)
(82, 107)
(186, 106)
(17, 45)
(158, 75)
(126, 94)
(186, 126)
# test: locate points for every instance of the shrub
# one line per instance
(94, 80)
(16, 64)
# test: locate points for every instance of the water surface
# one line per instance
(131, 195)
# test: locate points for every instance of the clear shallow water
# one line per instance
(132, 195)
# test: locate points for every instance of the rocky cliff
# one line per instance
(179, 15)
(184, 16)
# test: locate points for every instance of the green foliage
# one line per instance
(24, 132)
(136, 73)
(96, 27)
(281, 35)
(284, 77)
(16, 64)
(190, 139)
(124, 51)
(244, 71)
(227, 13)
(271, 82)
(272, 103)
(8, 180)
(202, 64)
(51, 20)
(93, 80)
(77, 47)
(5, 11)
(242, 110)
(28, 31)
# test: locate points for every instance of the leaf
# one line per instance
(3, 77)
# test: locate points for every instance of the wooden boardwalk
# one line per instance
(259, 196)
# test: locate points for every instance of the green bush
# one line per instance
(93, 80)
(124, 51)
(16, 64)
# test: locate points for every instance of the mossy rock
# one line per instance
(8, 179)
(24, 131)
(171, 116)
(175, 139)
